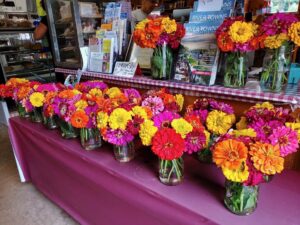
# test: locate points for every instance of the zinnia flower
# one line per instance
(102, 120)
(81, 104)
(118, 137)
(275, 41)
(179, 100)
(182, 127)
(37, 99)
(195, 141)
(79, 119)
(113, 92)
(195, 122)
(294, 33)
(255, 176)
(225, 43)
(155, 103)
(140, 111)
(266, 158)
(133, 125)
(164, 119)
(169, 25)
(242, 124)
(119, 118)
(218, 122)
(286, 138)
(242, 32)
(147, 131)
(167, 144)
(240, 174)
(230, 154)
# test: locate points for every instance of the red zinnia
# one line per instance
(225, 43)
(167, 144)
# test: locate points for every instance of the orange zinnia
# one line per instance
(230, 154)
(79, 119)
(266, 158)
(119, 100)
(149, 39)
(155, 25)
(67, 94)
(23, 92)
(225, 43)
(104, 105)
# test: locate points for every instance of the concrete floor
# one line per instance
(21, 203)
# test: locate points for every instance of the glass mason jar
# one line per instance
(240, 199)
(22, 111)
(50, 122)
(275, 68)
(235, 69)
(90, 138)
(161, 62)
(124, 153)
(67, 130)
(36, 115)
(171, 171)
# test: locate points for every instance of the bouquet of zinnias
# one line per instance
(236, 37)
(162, 34)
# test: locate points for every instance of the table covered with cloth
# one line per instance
(94, 188)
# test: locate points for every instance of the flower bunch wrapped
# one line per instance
(236, 37)
(162, 34)
(120, 123)
(215, 117)
(274, 32)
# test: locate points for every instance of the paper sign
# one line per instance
(125, 69)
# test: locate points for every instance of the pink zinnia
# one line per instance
(133, 95)
(221, 106)
(264, 129)
(255, 176)
(278, 23)
(286, 138)
(47, 87)
(118, 137)
(164, 119)
(194, 141)
(155, 103)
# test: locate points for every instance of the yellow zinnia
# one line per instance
(238, 175)
(147, 131)
(37, 99)
(113, 92)
(179, 100)
(244, 132)
(102, 119)
(182, 127)
(218, 122)
(275, 41)
(169, 25)
(294, 33)
(241, 32)
(139, 111)
(264, 105)
(119, 118)
(81, 105)
(95, 92)
(141, 25)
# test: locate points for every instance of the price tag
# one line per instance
(125, 69)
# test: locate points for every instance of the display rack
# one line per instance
(290, 96)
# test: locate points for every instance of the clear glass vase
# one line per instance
(240, 199)
(67, 130)
(90, 138)
(171, 171)
(124, 153)
(235, 70)
(50, 122)
(22, 111)
(36, 115)
(275, 69)
(161, 63)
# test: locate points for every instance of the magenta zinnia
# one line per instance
(194, 141)
(164, 119)
(118, 137)
(286, 138)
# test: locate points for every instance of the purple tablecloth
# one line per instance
(95, 189)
